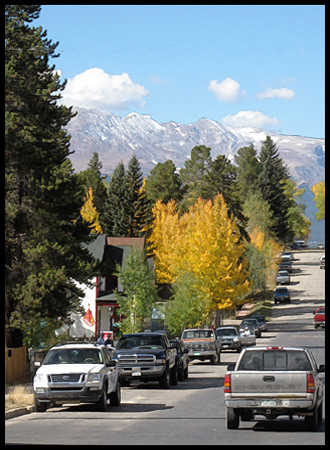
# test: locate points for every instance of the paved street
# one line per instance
(192, 412)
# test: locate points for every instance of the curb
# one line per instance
(18, 412)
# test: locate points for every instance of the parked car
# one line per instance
(283, 277)
(281, 294)
(322, 262)
(285, 263)
(272, 382)
(250, 323)
(261, 320)
(289, 254)
(79, 372)
(319, 317)
(146, 357)
(182, 360)
(229, 338)
(202, 344)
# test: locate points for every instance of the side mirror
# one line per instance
(321, 368)
(112, 363)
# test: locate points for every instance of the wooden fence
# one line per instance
(15, 364)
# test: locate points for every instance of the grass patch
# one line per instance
(263, 307)
(18, 397)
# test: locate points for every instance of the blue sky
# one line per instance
(255, 65)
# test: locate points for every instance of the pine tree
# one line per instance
(164, 183)
(44, 230)
(116, 219)
(136, 200)
(272, 173)
(248, 169)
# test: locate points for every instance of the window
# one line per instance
(275, 360)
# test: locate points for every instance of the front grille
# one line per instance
(66, 378)
(199, 345)
(136, 359)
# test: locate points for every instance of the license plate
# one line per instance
(197, 353)
(268, 403)
(136, 372)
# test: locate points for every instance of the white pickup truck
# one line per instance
(274, 381)
(77, 372)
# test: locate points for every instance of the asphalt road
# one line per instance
(192, 413)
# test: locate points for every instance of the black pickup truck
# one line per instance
(146, 357)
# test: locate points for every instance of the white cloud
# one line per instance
(250, 119)
(94, 88)
(287, 94)
(226, 91)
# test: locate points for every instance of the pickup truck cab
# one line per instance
(77, 373)
(202, 344)
(146, 357)
(319, 317)
(274, 381)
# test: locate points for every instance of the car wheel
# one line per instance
(312, 422)
(232, 419)
(102, 403)
(115, 396)
(39, 406)
(164, 381)
(174, 375)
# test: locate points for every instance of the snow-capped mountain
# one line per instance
(117, 138)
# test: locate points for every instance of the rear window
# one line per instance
(197, 334)
(275, 360)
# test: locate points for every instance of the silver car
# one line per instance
(283, 277)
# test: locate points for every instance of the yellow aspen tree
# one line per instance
(90, 214)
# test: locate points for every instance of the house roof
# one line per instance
(96, 247)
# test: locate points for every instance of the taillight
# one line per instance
(310, 384)
(226, 386)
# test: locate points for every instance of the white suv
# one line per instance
(77, 372)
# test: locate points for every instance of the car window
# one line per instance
(136, 342)
(197, 334)
(74, 356)
(226, 332)
(275, 360)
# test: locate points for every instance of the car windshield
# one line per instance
(197, 334)
(281, 290)
(226, 332)
(74, 356)
(249, 322)
(135, 342)
(275, 360)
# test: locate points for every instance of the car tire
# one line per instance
(102, 403)
(115, 397)
(39, 406)
(312, 422)
(174, 375)
(164, 381)
(232, 419)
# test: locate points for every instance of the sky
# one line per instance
(241, 65)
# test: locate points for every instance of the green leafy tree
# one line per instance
(298, 223)
(140, 291)
(164, 183)
(44, 230)
(188, 305)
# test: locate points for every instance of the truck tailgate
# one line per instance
(274, 383)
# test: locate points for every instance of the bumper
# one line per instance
(320, 324)
(276, 405)
(201, 354)
(230, 346)
(141, 372)
(85, 394)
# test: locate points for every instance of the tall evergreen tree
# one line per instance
(115, 218)
(193, 174)
(164, 183)
(137, 204)
(272, 174)
(248, 169)
(44, 230)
